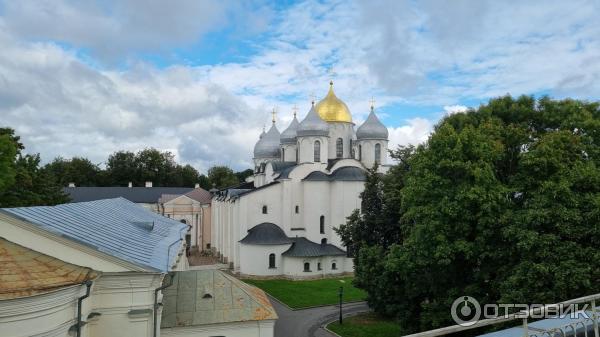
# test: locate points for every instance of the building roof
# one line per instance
(116, 227)
(346, 173)
(302, 247)
(201, 195)
(288, 136)
(25, 272)
(200, 297)
(148, 195)
(333, 109)
(268, 145)
(266, 233)
(372, 128)
(312, 125)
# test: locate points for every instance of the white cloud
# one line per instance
(453, 109)
(415, 132)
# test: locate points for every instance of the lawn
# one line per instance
(365, 325)
(302, 294)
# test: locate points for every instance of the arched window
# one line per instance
(297, 209)
(264, 209)
(282, 154)
(360, 152)
(272, 260)
(378, 153)
(333, 266)
(323, 241)
(319, 266)
(322, 224)
(296, 155)
(339, 148)
(317, 150)
(306, 266)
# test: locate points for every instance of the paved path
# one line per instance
(309, 322)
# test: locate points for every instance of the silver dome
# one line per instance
(313, 125)
(372, 128)
(288, 136)
(268, 145)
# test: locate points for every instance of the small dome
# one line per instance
(333, 109)
(266, 233)
(268, 145)
(288, 136)
(313, 125)
(372, 128)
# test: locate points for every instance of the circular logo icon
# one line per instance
(465, 311)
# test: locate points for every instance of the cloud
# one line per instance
(415, 132)
(453, 109)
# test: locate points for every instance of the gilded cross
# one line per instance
(274, 112)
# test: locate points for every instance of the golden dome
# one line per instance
(332, 109)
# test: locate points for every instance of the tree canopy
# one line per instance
(502, 203)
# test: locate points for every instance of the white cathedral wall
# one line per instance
(368, 151)
(289, 152)
(340, 130)
(254, 259)
(345, 198)
(306, 146)
(316, 204)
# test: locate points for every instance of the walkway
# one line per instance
(310, 322)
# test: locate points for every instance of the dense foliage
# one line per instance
(502, 203)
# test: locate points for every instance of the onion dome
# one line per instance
(313, 125)
(332, 109)
(372, 128)
(268, 145)
(288, 136)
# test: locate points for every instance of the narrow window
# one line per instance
(333, 266)
(296, 155)
(323, 241)
(319, 266)
(271, 260)
(306, 266)
(322, 224)
(360, 152)
(317, 149)
(297, 209)
(264, 209)
(339, 148)
(282, 154)
(378, 153)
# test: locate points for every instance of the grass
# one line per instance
(367, 324)
(302, 294)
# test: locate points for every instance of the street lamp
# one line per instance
(341, 293)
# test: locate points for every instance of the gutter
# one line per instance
(156, 305)
(88, 284)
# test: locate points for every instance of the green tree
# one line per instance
(222, 176)
(77, 170)
(498, 204)
(8, 151)
(242, 175)
(121, 168)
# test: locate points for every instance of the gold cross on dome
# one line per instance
(274, 112)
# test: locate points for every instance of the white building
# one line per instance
(307, 181)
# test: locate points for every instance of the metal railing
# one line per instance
(575, 328)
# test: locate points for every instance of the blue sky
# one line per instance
(198, 78)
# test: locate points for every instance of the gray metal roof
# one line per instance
(288, 136)
(266, 233)
(201, 297)
(116, 227)
(268, 145)
(147, 195)
(346, 173)
(283, 168)
(372, 128)
(303, 247)
(313, 125)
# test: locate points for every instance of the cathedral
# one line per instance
(306, 182)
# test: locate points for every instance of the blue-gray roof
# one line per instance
(303, 247)
(346, 173)
(116, 227)
(147, 195)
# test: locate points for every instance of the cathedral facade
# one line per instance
(307, 181)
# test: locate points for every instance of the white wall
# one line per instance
(254, 259)
(340, 130)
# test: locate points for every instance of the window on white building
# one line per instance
(360, 152)
(339, 148)
(306, 266)
(322, 224)
(378, 153)
(272, 261)
(297, 209)
(319, 266)
(264, 209)
(323, 241)
(333, 266)
(317, 149)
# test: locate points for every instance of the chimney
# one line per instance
(197, 185)
(130, 185)
(148, 184)
(71, 184)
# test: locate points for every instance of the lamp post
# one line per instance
(341, 293)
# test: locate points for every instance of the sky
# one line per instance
(199, 78)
